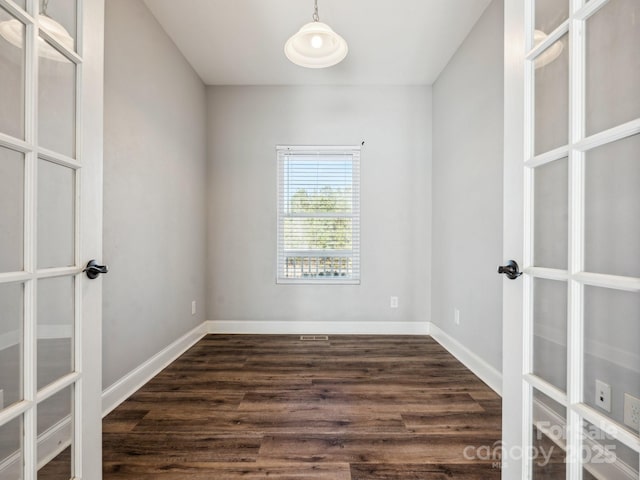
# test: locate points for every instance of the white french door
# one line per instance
(572, 219)
(51, 56)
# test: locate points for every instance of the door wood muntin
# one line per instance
(574, 275)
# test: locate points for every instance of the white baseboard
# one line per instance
(131, 382)
(51, 443)
(51, 332)
(45, 332)
(593, 347)
(320, 328)
(9, 339)
(473, 362)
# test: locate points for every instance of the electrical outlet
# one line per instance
(456, 316)
(193, 307)
(603, 395)
(632, 411)
(393, 302)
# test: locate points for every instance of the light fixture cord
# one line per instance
(316, 17)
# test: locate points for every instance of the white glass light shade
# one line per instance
(550, 54)
(316, 45)
(12, 31)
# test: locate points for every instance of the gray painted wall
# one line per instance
(245, 125)
(467, 190)
(154, 183)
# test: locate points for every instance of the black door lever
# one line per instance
(511, 270)
(93, 270)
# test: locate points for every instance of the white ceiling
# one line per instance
(391, 42)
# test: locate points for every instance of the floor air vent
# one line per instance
(314, 338)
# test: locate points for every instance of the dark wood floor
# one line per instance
(354, 407)
(57, 469)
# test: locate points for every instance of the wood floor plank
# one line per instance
(368, 471)
(454, 423)
(390, 449)
(372, 400)
(232, 471)
(167, 399)
(176, 448)
(418, 378)
(275, 407)
(265, 423)
(124, 420)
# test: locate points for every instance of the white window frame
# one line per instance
(282, 151)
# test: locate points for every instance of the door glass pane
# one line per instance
(12, 211)
(551, 215)
(612, 223)
(552, 98)
(613, 65)
(58, 18)
(11, 450)
(550, 331)
(604, 457)
(55, 328)
(12, 68)
(612, 347)
(548, 438)
(56, 101)
(11, 331)
(56, 215)
(59, 468)
(55, 424)
(550, 14)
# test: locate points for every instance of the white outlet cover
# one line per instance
(456, 316)
(632, 411)
(603, 395)
(193, 307)
(393, 302)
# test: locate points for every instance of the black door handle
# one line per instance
(511, 270)
(93, 270)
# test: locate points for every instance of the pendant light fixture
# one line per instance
(550, 54)
(316, 45)
(12, 31)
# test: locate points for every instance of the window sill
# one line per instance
(283, 281)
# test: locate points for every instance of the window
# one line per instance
(318, 215)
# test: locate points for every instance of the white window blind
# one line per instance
(318, 215)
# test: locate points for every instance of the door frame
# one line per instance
(88, 431)
(513, 238)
